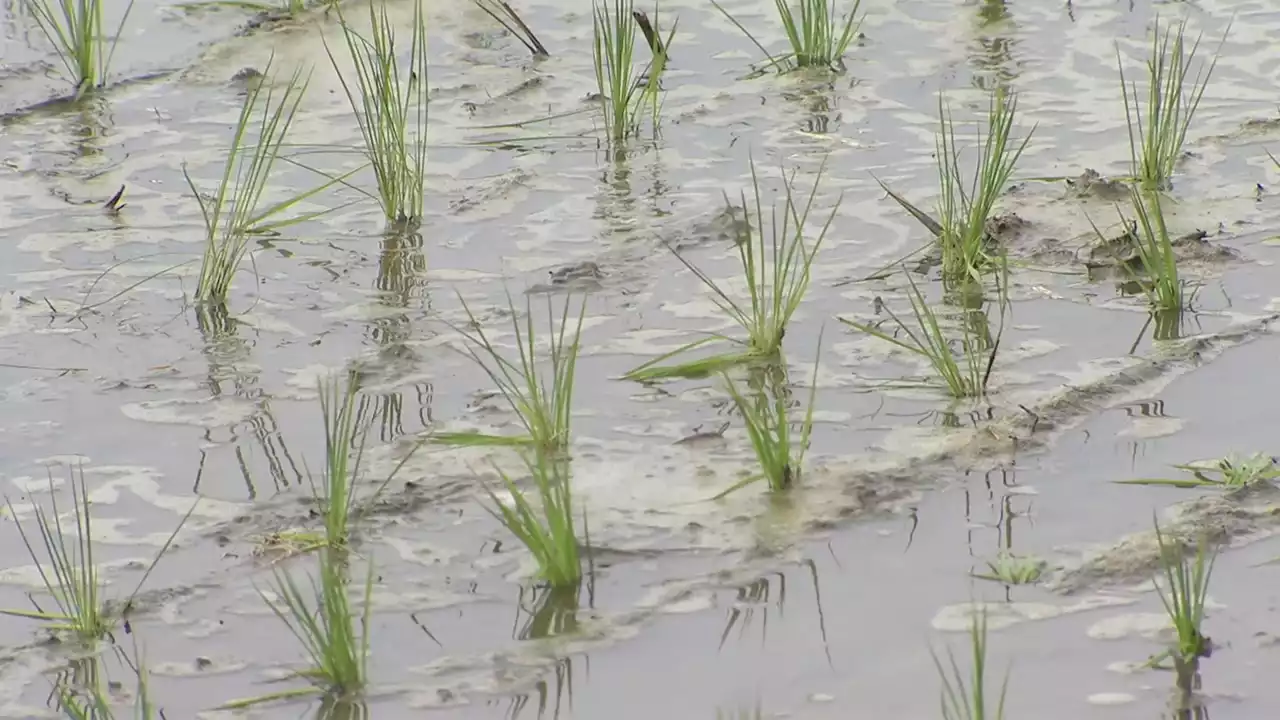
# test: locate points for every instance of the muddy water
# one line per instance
(820, 604)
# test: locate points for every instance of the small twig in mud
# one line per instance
(115, 204)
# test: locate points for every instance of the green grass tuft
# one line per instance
(1012, 569)
(544, 406)
(819, 36)
(548, 531)
(966, 698)
(1227, 473)
(965, 207)
(75, 29)
(391, 110)
(777, 278)
(627, 91)
(1183, 594)
(767, 417)
(69, 571)
(1158, 127)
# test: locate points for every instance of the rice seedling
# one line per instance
(776, 277)
(818, 35)
(1158, 132)
(964, 208)
(1159, 279)
(391, 110)
(543, 405)
(88, 699)
(1012, 569)
(1183, 594)
(69, 571)
(964, 374)
(549, 531)
(966, 698)
(75, 29)
(1226, 473)
(767, 418)
(627, 91)
(506, 16)
(234, 211)
(335, 642)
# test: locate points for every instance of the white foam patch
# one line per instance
(959, 618)
(207, 413)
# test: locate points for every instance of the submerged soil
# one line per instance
(821, 603)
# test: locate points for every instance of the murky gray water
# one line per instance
(822, 604)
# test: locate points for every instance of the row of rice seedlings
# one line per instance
(1227, 473)
(75, 29)
(966, 698)
(391, 110)
(818, 35)
(963, 374)
(777, 278)
(964, 208)
(65, 561)
(1158, 131)
(506, 16)
(543, 405)
(334, 637)
(1183, 594)
(766, 414)
(627, 91)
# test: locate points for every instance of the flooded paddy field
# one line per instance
(820, 601)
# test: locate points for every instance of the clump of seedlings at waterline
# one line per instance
(817, 32)
(391, 109)
(776, 275)
(234, 212)
(766, 415)
(627, 91)
(963, 374)
(69, 570)
(1158, 127)
(1227, 473)
(549, 530)
(965, 207)
(1013, 569)
(76, 29)
(1183, 593)
(966, 698)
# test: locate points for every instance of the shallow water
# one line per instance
(810, 606)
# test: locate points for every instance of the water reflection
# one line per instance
(550, 611)
(991, 49)
(549, 698)
(332, 708)
(767, 593)
(1008, 508)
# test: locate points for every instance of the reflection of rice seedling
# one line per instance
(963, 211)
(508, 18)
(1013, 569)
(966, 374)
(338, 652)
(767, 418)
(1231, 472)
(817, 35)
(391, 110)
(1158, 132)
(88, 699)
(966, 699)
(1186, 586)
(626, 91)
(244, 178)
(70, 574)
(550, 535)
(544, 407)
(776, 281)
(74, 28)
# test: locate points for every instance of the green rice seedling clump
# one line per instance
(965, 698)
(766, 414)
(391, 109)
(965, 207)
(1183, 593)
(627, 91)
(543, 404)
(776, 274)
(817, 33)
(1158, 127)
(548, 530)
(1012, 569)
(69, 570)
(1227, 473)
(76, 30)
